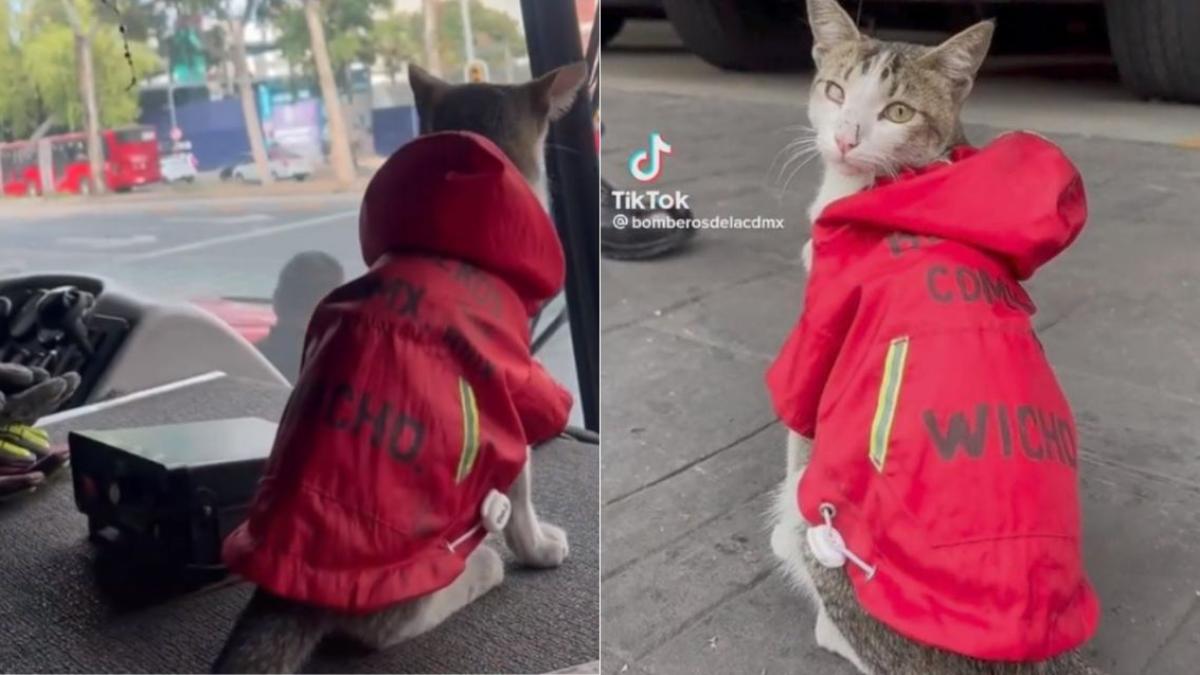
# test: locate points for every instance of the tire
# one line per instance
(189, 179)
(300, 177)
(1154, 44)
(610, 24)
(744, 34)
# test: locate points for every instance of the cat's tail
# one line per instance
(272, 635)
(1073, 663)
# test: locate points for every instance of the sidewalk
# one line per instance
(691, 447)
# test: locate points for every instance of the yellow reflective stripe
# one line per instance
(470, 417)
(16, 452)
(889, 393)
(26, 433)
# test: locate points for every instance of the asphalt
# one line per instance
(184, 245)
(692, 448)
(178, 246)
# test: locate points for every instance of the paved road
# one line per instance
(182, 248)
(692, 449)
(179, 248)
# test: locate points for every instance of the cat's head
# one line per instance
(515, 117)
(878, 106)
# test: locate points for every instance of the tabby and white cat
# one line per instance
(276, 635)
(877, 107)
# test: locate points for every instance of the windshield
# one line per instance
(135, 135)
(236, 237)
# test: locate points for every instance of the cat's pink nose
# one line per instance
(845, 143)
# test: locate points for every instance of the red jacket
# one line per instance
(941, 435)
(418, 394)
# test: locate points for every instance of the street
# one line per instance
(178, 247)
(692, 449)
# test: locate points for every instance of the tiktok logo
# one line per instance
(647, 165)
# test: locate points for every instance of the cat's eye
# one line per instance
(834, 92)
(899, 113)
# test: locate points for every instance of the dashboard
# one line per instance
(118, 342)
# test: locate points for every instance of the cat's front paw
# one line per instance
(806, 255)
(486, 568)
(550, 550)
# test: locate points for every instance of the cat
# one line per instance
(856, 81)
(877, 107)
(274, 634)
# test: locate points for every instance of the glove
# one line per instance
(27, 394)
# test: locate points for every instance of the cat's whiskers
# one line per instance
(804, 153)
(798, 148)
(812, 155)
(801, 143)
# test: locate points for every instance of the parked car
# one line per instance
(178, 164)
(1152, 41)
(284, 165)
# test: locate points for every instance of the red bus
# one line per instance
(19, 169)
(130, 159)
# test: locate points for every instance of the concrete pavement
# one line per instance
(691, 446)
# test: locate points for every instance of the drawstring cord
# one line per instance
(493, 514)
(829, 548)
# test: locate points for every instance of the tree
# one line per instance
(48, 63)
(430, 20)
(19, 106)
(232, 17)
(339, 135)
(494, 32)
(395, 41)
(61, 42)
(349, 27)
(303, 42)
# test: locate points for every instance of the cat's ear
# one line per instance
(555, 91)
(960, 57)
(427, 88)
(831, 26)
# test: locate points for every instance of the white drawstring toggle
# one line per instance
(829, 548)
(495, 511)
(494, 515)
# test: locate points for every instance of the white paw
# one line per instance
(806, 255)
(486, 568)
(550, 551)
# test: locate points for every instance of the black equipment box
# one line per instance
(168, 495)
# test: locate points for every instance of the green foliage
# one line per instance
(493, 30)
(39, 72)
(359, 31)
(397, 40)
(18, 97)
(348, 32)
(50, 62)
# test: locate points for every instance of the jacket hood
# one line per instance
(455, 194)
(1019, 198)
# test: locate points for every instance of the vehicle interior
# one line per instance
(135, 584)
